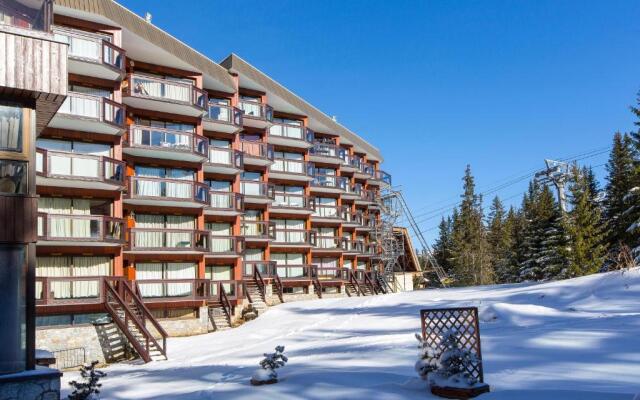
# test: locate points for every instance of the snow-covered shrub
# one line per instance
(269, 364)
(427, 358)
(89, 388)
(453, 363)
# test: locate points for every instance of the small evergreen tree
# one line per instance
(427, 359)
(453, 363)
(584, 226)
(89, 387)
(270, 363)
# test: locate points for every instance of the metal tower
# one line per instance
(557, 173)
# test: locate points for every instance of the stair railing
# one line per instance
(136, 296)
(246, 291)
(367, 281)
(257, 277)
(278, 282)
(316, 281)
(354, 282)
(111, 295)
(224, 300)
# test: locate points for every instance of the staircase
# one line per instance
(218, 315)
(255, 294)
(130, 314)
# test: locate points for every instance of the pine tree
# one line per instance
(619, 184)
(544, 238)
(470, 257)
(633, 197)
(500, 241)
(442, 246)
(515, 225)
(584, 226)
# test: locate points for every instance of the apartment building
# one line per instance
(174, 190)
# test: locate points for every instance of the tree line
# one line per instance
(538, 241)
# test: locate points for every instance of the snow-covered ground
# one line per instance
(569, 340)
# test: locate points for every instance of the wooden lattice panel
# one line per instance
(437, 321)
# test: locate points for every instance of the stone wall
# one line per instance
(39, 384)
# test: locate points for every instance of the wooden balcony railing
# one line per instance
(257, 149)
(330, 243)
(151, 87)
(257, 189)
(91, 47)
(328, 150)
(226, 157)
(353, 245)
(172, 289)
(80, 228)
(295, 167)
(141, 136)
(226, 245)
(143, 187)
(265, 268)
(255, 110)
(295, 272)
(228, 288)
(59, 164)
(330, 181)
(226, 201)
(330, 212)
(147, 239)
(222, 113)
(367, 169)
(294, 236)
(332, 273)
(72, 289)
(382, 176)
(90, 107)
(258, 229)
(293, 201)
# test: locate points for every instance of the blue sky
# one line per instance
(436, 85)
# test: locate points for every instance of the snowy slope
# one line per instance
(574, 339)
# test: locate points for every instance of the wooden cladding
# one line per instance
(17, 219)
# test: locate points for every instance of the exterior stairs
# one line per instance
(255, 295)
(352, 289)
(219, 316)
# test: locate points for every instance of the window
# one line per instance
(176, 126)
(290, 230)
(13, 177)
(63, 164)
(174, 231)
(288, 121)
(289, 265)
(10, 128)
(160, 271)
(288, 162)
(147, 183)
(72, 267)
(71, 218)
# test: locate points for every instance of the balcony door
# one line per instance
(290, 231)
(157, 188)
(255, 255)
(224, 243)
(326, 238)
(290, 264)
(288, 162)
(163, 271)
(252, 184)
(220, 152)
(289, 196)
(76, 266)
(219, 198)
(326, 207)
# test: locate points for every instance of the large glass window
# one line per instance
(13, 308)
(10, 128)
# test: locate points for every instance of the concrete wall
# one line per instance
(39, 384)
(404, 281)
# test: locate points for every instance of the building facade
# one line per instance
(170, 186)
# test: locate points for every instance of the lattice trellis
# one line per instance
(437, 321)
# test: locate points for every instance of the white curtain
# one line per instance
(297, 235)
(148, 187)
(177, 189)
(89, 266)
(79, 46)
(252, 255)
(58, 226)
(149, 239)
(81, 106)
(347, 263)
(10, 127)
(251, 188)
(326, 238)
(220, 244)
(220, 200)
(177, 92)
(326, 207)
(219, 156)
(295, 260)
(180, 239)
(250, 108)
(362, 265)
(55, 267)
(149, 271)
(180, 271)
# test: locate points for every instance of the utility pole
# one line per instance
(557, 173)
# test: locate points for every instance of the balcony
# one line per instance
(87, 113)
(257, 231)
(225, 246)
(350, 163)
(332, 274)
(68, 291)
(166, 192)
(292, 204)
(366, 171)
(256, 115)
(257, 153)
(291, 170)
(290, 135)
(75, 170)
(231, 290)
(369, 250)
(364, 222)
(221, 118)
(167, 241)
(380, 178)
(224, 204)
(256, 192)
(366, 197)
(353, 246)
(164, 95)
(186, 291)
(293, 238)
(329, 213)
(76, 230)
(224, 161)
(329, 184)
(91, 54)
(299, 272)
(327, 153)
(352, 192)
(329, 244)
(264, 268)
(166, 144)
